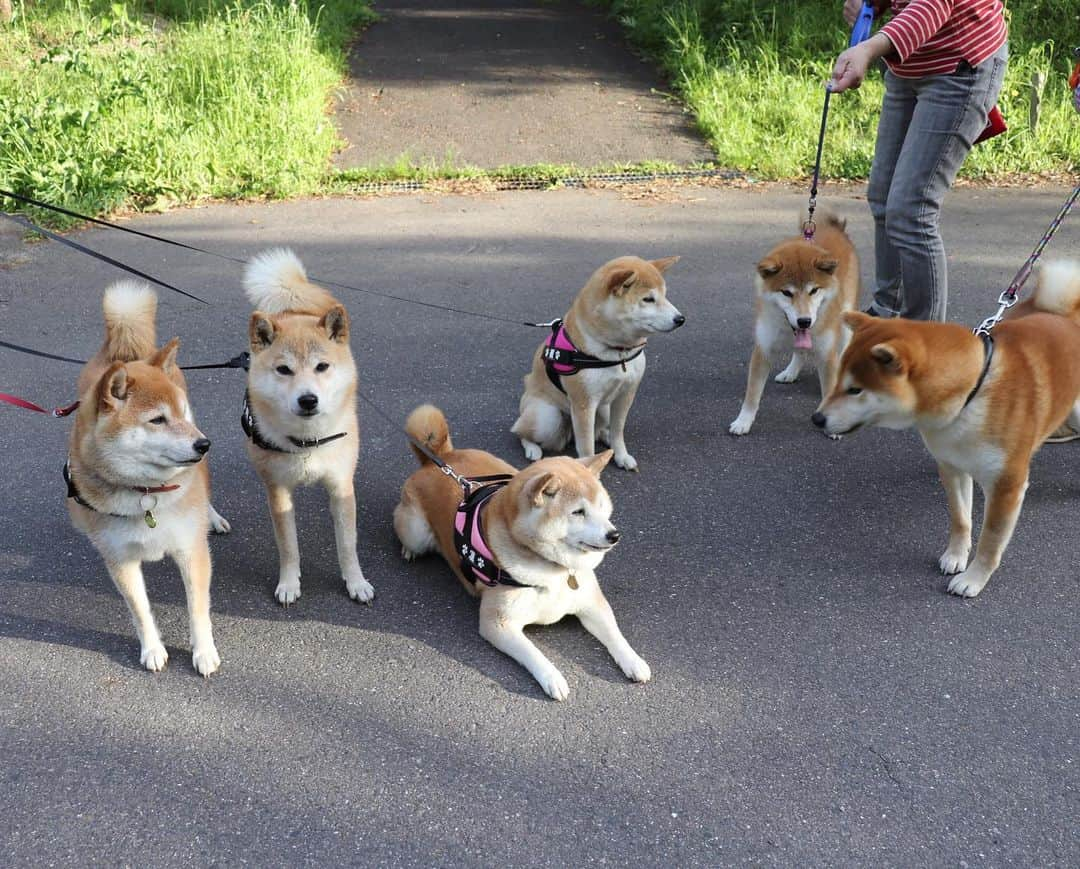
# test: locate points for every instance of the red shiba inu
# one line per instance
(983, 406)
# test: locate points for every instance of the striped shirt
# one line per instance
(931, 37)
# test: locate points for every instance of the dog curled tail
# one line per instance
(427, 425)
(275, 282)
(130, 311)
(1058, 290)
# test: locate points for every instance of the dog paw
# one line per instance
(205, 660)
(967, 584)
(834, 437)
(287, 591)
(408, 554)
(636, 669)
(741, 425)
(786, 376)
(554, 685)
(218, 523)
(626, 461)
(532, 451)
(154, 658)
(953, 562)
(359, 588)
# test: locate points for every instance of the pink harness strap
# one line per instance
(477, 560)
(556, 341)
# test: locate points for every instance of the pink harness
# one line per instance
(563, 359)
(477, 561)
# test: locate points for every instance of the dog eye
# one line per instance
(788, 293)
(322, 366)
(284, 369)
(854, 390)
(814, 290)
(648, 300)
(158, 420)
(580, 511)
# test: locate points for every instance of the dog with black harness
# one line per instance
(587, 371)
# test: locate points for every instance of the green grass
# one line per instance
(753, 73)
(143, 104)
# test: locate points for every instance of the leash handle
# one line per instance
(860, 31)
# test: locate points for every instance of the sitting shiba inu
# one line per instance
(300, 409)
(527, 543)
(802, 290)
(983, 404)
(137, 483)
(588, 370)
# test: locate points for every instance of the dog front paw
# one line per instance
(625, 461)
(359, 588)
(408, 554)
(742, 424)
(786, 376)
(154, 658)
(288, 589)
(533, 452)
(218, 523)
(968, 584)
(554, 685)
(205, 660)
(953, 561)
(636, 669)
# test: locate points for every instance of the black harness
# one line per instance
(251, 429)
(988, 350)
(563, 359)
(477, 561)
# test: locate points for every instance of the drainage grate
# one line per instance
(495, 181)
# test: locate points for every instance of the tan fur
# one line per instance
(897, 373)
(536, 498)
(609, 312)
(119, 395)
(301, 328)
(822, 278)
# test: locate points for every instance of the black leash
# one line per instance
(240, 360)
(809, 227)
(99, 256)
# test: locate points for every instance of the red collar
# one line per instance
(154, 490)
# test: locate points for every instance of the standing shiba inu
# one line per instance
(300, 409)
(528, 545)
(982, 406)
(137, 484)
(587, 372)
(802, 290)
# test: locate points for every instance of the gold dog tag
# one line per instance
(571, 581)
(148, 517)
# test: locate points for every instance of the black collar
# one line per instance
(251, 429)
(988, 351)
(73, 493)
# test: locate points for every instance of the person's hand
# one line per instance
(850, 69)
(852, 8)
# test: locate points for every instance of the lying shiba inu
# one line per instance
(802, 290)
(587, 371)
(300, 409)
(982, 406)
(137, 484)
(527, 545)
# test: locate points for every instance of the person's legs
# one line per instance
(896, 110)
(950, 113)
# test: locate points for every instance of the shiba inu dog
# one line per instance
(137, 483)
(802, 289)
(585, 375)
(528, 544)
(300, 409)
(983, 406)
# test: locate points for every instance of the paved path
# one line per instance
(817, 698)
(491, 83)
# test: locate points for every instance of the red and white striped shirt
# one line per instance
(931, 37)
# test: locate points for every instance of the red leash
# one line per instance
(29, 405)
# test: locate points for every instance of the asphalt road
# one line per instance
(817, 697)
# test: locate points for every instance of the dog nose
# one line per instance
(818, 419)
(201, 446)
(308, 401)
(613, 536)
(679, 320)
(804, 322)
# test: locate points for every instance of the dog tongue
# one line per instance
(803, 340)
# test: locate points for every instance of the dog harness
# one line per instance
(988, 350)
(147, 502)
(563, 359)
(251, 429)
(477, 561)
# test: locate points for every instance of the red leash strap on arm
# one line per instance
(29, 405)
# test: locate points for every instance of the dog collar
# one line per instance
(251, 429)
(988, 352)
(146, 502)
(563, 359)
(477, 560)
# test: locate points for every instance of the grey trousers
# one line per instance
(927, 128)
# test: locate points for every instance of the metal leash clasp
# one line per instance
(465, 483)
(1005, 301)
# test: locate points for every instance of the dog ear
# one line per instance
(662, 265)
(769, 267)
(855, 320)
(544, 486)
(887, 356)
(165, 358)
(114, 386)
(826, 265)
(620, 280)
(596, 464)
(336, 323)
(260, 331)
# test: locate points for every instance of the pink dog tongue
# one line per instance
(803, 340)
